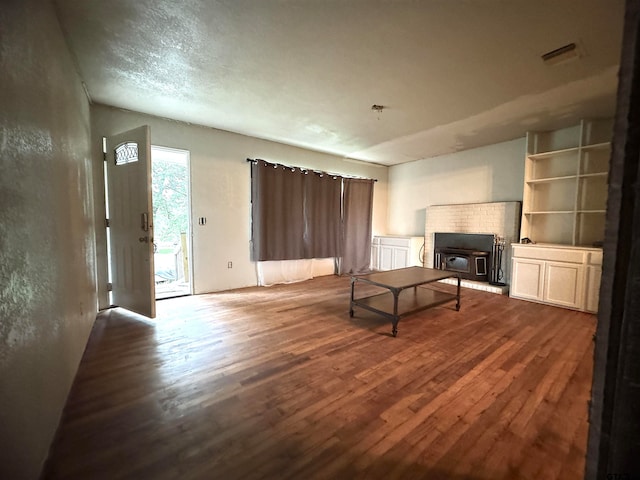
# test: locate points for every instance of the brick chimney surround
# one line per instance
(496, 218)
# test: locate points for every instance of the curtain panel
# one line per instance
(277, 203)
(357, 226)
(295, 213)
(323, 232)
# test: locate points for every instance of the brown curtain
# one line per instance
(357, 229)
(295, 213)
(277, 217)
(322, 216)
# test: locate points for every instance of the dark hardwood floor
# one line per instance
(279, 382)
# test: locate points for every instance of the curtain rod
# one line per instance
(256, 160)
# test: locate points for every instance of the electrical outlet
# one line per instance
(229, 264)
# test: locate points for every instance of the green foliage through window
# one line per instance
(170, 200)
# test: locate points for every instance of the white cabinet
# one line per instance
(563, 284)
(565, 187)
(526, 279)
(391, 252)
(594, 272)
(563, 276)
(375, 254)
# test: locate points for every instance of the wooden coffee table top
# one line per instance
(405, 277)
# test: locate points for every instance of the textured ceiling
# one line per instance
(451, 75)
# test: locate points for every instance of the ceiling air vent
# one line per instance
(562, 54)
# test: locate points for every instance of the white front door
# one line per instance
(128, 158)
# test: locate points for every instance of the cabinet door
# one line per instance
(375, 256)
(386, 257)
(400, 257)
(592, 294)
(527, 279)
(564, 284)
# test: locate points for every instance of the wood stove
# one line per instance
(468, 254)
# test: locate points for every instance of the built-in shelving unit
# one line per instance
(563, 211)
(565, 188)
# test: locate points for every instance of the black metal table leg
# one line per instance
(396, 318)
(458, 296)
(353, 283)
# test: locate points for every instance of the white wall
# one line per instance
(47, 233)
(494, 173)
(220, 188)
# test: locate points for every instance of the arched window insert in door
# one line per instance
(126, 153)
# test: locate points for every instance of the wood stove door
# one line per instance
(456, 263)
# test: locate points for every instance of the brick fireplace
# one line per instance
(495, 218)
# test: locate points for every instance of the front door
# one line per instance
(128, 158)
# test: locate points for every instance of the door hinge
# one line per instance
(107, 223)
(109, 287)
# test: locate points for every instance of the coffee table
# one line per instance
(406, 292)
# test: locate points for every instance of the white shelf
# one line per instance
(597, 146)
(548, 212)
(550, 179)
(593, 175)
(553, 153)
(565, 187)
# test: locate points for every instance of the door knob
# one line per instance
(143, 239)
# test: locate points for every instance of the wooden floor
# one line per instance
(279, 383)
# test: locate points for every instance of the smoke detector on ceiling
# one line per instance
(562, 54)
